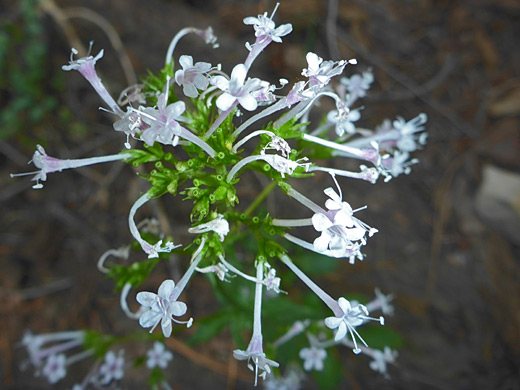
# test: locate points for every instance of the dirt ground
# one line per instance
(448, 244)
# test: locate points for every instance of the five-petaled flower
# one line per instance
(158, 356)
(237, 89)
(265, 28)
(352, 315)
(338, 228)
(54, 369)
(192, 76)
(256, 359)
(313, 358)
(320, 72)
(162, 307)
(113, 368)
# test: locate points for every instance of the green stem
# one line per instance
(260, 198)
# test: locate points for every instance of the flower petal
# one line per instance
(344, 304)
(225, 101)
(166, 328)
(149, 318)
(321, 222)
(186, 61)
(238, 74)
(321, 243)
(333, 322)
(146, 298)
(341, 332)
(178, 308)
(166, 288)
(248, 102)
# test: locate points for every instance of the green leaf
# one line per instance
(209, 327)
(135, 274)
(379, 337)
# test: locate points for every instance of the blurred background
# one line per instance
(448, 243)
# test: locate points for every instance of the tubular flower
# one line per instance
(352, 315)
(191, 77)
(162, 307)
(237, 90)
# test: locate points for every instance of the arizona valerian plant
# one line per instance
(185, 124)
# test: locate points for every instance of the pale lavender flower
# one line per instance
(352, 315)
(48, 164)
(265, 28)
(320, 72)
(151, 250)
(313, 358)
(60, 342)
(237, 90)
(265, 32)
(218, 225)
(254, 354)
(344, 120)
(271, 281)
(291, 380)
(409, 140)
(163, 121)
(131, 123)
(112, 368)
(162, 307)
(383, 302)
(338, 228)
(86, 66)
(54, 369)
(381, 360)
(158, 356)
(192, 76)
(358, 84)
(219, 269)
(397, 164)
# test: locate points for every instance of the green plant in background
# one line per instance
(198, 148)
(26, 88)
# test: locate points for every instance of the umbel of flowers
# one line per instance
(186, 124)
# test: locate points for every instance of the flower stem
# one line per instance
(260, 198)
(326, 298)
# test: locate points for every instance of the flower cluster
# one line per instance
(188, 125)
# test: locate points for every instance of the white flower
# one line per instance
(163, 121)
(218, 225)
(158, 356)
(48, 164)
(278, 144)
(284, 165)
(344, 120)
(271, 281)
(381, 360)
(409, 141)
(338, 228)
(161, 308)
(290, 381)
(255, 357)
(86, 66)
(320, 72)
(357, 84)
(265, 28)
(399, 163)
(237, 89)
(130, 123)
(264, 95)
(191, 77)
(112, 368)
(352, 316)
(54, 369)
(313, 358)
